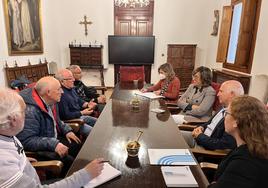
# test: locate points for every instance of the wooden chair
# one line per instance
(209, 170)
(48, 168)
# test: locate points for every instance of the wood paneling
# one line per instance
(224, 34)
(182, 59)
(221, 76)
(88, 57)
(32, 72)
(138, 21)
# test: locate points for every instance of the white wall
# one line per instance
(60, 26)
(175, 21)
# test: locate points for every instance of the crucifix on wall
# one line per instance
(85, 22)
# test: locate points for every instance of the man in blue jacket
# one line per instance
(211, 135)
(44, 132)
(71, 106)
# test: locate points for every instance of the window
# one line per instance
(238, 34)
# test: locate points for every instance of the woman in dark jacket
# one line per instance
(246, 119)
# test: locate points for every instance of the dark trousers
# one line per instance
(66, 160)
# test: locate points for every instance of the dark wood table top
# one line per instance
(117, 125)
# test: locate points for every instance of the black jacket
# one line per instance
(239, 169)
(219, 139)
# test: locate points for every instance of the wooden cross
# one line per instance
(85, 22)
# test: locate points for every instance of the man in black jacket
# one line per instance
(211, 135)
(84, 92)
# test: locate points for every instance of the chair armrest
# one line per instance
(171, 104)
(187, 127)
(101, 88)
(79, 121)
(53, 166)
(75, 126)
(210, 153)
(31, 154)
(207, 165)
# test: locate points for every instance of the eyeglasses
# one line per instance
(225, 113)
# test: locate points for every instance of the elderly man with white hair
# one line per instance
(211, 135)
(70, 105)
(16, 170)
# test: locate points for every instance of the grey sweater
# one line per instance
(17, 171)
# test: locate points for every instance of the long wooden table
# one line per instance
(118, 125)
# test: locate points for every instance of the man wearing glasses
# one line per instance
(71, 106)
(211, 135)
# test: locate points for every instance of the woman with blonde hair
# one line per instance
(169, 84)
(246, 119)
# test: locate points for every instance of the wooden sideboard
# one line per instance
(89, 57)
(221, 76)
(182, 59)
(86, 56)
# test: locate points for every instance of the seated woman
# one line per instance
(246, 119)
(198, 99)
(169, 84)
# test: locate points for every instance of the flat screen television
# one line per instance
(131, 50)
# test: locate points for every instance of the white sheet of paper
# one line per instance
(157, 110)
(171, 157)
(150, 95)
(179, 119)
(178, 176)
(107, 174)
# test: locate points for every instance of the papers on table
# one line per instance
(171, 157)
(149, 95)
(157, 110)
(178, 176)
(107, 174)
(179, 119)
(187, 119)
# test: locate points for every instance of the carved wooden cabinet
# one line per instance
(86, 56)
(89, 57)
(182, 59)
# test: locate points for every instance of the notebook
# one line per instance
(171, 157)
(178, 176)
(107, 174)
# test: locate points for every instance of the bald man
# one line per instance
(16, 171)
(44, 132)
(212, 135)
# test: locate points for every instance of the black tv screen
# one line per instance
(131, 50)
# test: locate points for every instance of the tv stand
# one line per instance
(147, 72)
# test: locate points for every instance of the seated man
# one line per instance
(212, 135)
(44, 132)
(86, 93)
(71, 106)
(16, 170)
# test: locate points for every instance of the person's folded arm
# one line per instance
(205, 106)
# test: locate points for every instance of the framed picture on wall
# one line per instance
(23, 26)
